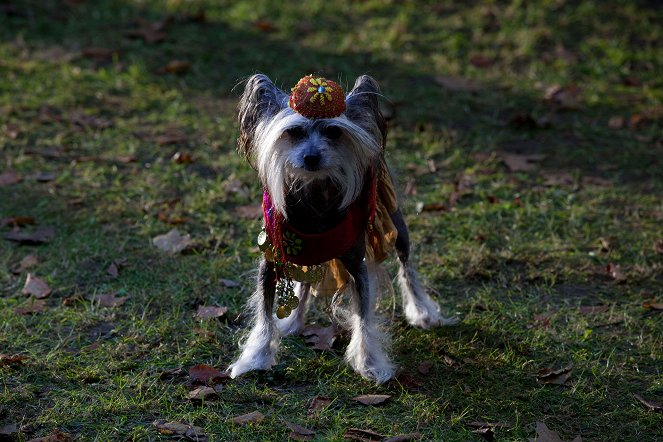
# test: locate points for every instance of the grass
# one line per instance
(515, 256)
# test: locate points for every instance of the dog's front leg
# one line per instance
(259, 347)
(366, 352)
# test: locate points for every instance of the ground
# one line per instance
(526, 137)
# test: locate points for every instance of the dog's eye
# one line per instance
(296, 132)
(332, 132)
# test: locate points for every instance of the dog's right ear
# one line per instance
(261, 100)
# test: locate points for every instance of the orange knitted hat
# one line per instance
(317, 97)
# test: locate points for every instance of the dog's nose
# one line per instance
(312, 161)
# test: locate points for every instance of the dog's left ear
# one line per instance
(261, 100)
(362, 107)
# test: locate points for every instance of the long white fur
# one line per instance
(420, 310)
(294, 324)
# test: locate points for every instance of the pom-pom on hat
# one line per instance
(317, 97)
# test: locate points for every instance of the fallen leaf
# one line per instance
(126, 159)
(40, 236)
(27, 262)
(654, 406)
(182, 158)
(593, 309)
(172, 242)
(229, 283)
(322, 338)
(99, 54)
(362, 435)
(527, 121)
(653, 305)
(485, 429)
(90, 121)
(55, 436)
(520, 162)
(209, 312)
(431, 207)
(318, 403)
(403, 437)
(449, 361)
(541, 320)
(188, 432)
(658, 246)
(457, 84)
(408, 381)
(73, 299)
(544, 434)
(248, 418)
(150, 32)
(171, 373)
(265, 26)
(204, 392)
(171, 137)
(561, 179)
(481, 61)
(43, 177)
(113, 271)
(555, 377)
(110, 300)
(175, 67)
(35, 306)
(8, 361)
(9, 178)
(297, 432)
(17, 221)
(251, 211)
(12, 131)
(36, 287)
(371, 399)
(615, 272)
(424, 367)
(206, 374)
(616, 122)
(563, 97)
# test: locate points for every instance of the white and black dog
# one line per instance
(315, 171)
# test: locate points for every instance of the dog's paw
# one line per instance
(246, 364)
(373, 372)
(428, 317)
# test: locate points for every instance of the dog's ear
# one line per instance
(362, 107)
(261, 100)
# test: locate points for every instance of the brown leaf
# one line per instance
(449, 361)
(171, 373)
(251, 211)
(520, 162)
(172, 242)
(485, 429)
(55, 436)
(457, 84)
(182, 158)
(171, 137)
(563, 97)
(658, 246)
(593, 309)
(297, 432)
(175, 67)
(408, 381)
(556, 377)
(371, 399)
(404, 437)
(248, 418)
(209, 312)
(481, 61)
(8, 361)
(265, 26)
(126, 159)
(615, 272)
(71, 300)
(558, 179)
(424, 367)
(30, 308)
(544, 434)
(322, 338)
(616, 122)
(27, 262)
(318, 403)
(36, 287)
(431, 207)
(189, 432)
(90, 121)
(527, 121)
(361, 435)
(110, 300)
(150, 32)
(206, 374)
(653, 305)
(9, 178)
(40, 236)
(99, 54)
(654, 406)
(17, 221)
(204, 392)
(43, 177)
(113, 271)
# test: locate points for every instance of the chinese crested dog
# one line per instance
(330, 217)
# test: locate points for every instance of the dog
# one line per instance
(328, 198)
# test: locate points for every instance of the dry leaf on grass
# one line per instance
(616, 122)
(40, 236)
(182, 158)
(209, 312)
(482, 61)
(99, 54)
(563, 97)
(318, 403)
(109, 300)
(658, 246)
(17, 221)
(297, 432)
(404, 437)
(520, 162)
(188, 432)
(9, 178)
(204, 393)
(371, 399)
(36, 287)
(615, 272)
(36, 306)
(593, 309)
(457, 84)
(171, 137)
(248, 418)
(150, 32)
(322, 338)
(27, 262)
(556, 377)
(175, 67)
(265, 26)
(654, 406)
(362, 435)
(544, 434)
(424, 367)
(8, 361)
(113, 271)
(653, 305)
(206, 374)
(55, 436)
(172, 242)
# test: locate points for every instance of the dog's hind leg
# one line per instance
(366, 352)
(259, 347)
(294, 324)
(420, 310)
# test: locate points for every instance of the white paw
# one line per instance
(427, 317)
(379, 372)
(250, 362)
